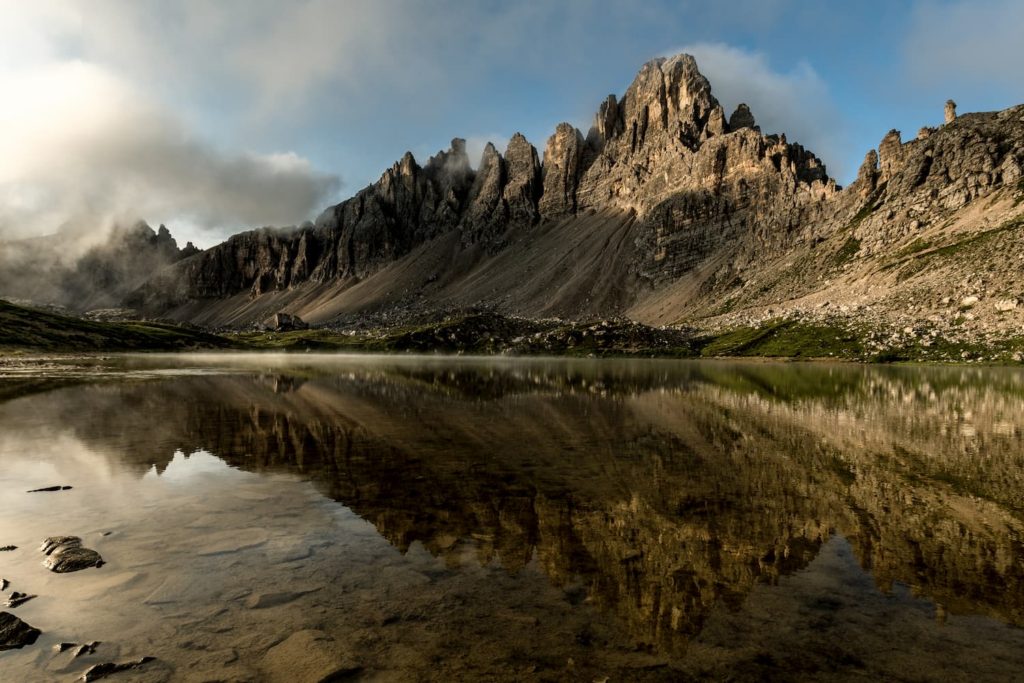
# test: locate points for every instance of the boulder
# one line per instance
(284, 322)
(66, 554)
(15, 633)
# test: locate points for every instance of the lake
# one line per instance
(302, 517)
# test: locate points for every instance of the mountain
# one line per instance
(62, 269)
(666, 211)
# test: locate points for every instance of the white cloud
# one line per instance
(795, 102)
(81, 148)
(976, 44)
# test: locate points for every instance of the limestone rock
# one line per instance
(890, 154)
(1005, 305)
(487, 212)
(562, 158)
(66, 554)
(284, 322)
(100, 671)
(15, 633)
(742, 118)
(950, 111)
(308, 656)
(525, 182)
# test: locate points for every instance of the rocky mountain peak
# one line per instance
(742, 118)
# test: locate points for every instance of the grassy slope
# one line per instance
(23, 328)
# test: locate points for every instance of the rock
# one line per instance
(86, 649)
(308, 657)
(562, 158)
(486, 215)
(968, 301)
(50, 488)
(950, 111)
(1004, 305)
(742, 118)
(15, 633)
(4, 583)
(284, 322)
(524, 181)
(98, 671)
(890, 154)
(16, 598)
(7, 548)
(66, 554)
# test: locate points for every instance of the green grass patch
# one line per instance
(786, 339)
(24, 328)
(847, 251)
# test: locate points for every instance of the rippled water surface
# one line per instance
(286, 518)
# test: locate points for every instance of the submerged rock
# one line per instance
(15, 633)
(98, 671)
(17, 598)
(57, 487)
(308, 656)
(66, 554)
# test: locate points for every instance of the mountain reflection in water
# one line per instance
(660, 495)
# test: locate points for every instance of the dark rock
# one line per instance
(17, 598)
(86, 649)
(66, 554)
(50, 488)
(98, 671)
(15, 633)
(4, 583)
(525, 181)
(742, 118)
(284, 322)
(7, 548)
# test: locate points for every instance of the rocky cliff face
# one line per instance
(663, 154)
(693, 214)
(55, 270)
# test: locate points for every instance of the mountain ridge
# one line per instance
(666, 212)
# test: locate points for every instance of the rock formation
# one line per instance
(742, 118)
(665, 211)
(950, 111)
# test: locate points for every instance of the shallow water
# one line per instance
(530, 519)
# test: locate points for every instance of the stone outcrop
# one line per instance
(15, 633)
(562, 159)
(742, 118)
(950, 111)
(66, 554)
(667, 209)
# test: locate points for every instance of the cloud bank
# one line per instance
(795, 102)
(978, 43)
(83, 148)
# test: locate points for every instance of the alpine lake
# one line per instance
(304, 517)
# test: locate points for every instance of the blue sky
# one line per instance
(213, 117)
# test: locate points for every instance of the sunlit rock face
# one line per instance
(663, 154)
(662, 495)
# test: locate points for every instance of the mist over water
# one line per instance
(439, 519)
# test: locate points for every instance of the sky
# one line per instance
(213, 117)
